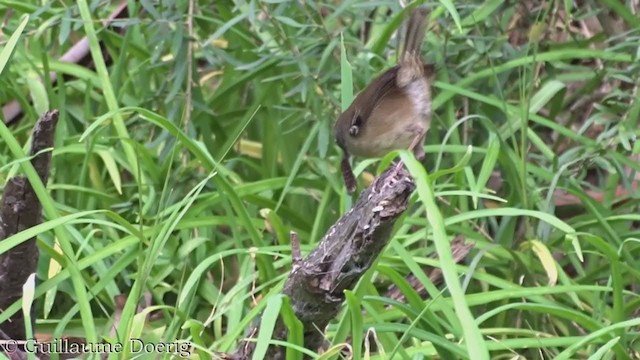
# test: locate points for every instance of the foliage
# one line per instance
(204, 136)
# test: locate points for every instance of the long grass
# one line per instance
(171, 230)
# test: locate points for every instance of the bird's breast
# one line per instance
(392, 125)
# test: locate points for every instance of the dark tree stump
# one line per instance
(316, 284)
(20, 209)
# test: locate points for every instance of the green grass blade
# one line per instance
(473, 338)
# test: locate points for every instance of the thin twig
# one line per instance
(296, 254)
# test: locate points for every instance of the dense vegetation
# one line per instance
(201, 135)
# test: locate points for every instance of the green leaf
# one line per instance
(346, 80)
(476, 346)
(545, 94)
(112, 169)
(267, 325)
(8, 49)
(451, 8)
(493, 150)
(38, 93)
(295, 330)
(481, 13)
(456, 168)
(357, 328)
(604, 349)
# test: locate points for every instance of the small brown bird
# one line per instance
(394, 110)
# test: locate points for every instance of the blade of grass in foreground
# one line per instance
(472, 336)
(346, 82)
(571, 350)
(7, 51)
(267, 325)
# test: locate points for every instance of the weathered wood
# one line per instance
(20, 209)
(316, 284)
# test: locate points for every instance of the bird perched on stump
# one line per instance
(394, 111)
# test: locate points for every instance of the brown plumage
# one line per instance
(394, 110)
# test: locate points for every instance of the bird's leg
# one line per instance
(347, 174)
(416, 147)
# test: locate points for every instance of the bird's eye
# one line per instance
(356, 123)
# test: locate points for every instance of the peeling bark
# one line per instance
(20, 209)
(316, 284)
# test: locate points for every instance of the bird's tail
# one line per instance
(414, 32)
